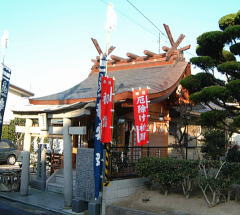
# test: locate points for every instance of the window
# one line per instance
(4, 145)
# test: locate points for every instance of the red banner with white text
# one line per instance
(106, 109)
(140, 106)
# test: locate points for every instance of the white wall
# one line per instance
(13, 101)
(236, 138)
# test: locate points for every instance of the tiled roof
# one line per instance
(158, 78)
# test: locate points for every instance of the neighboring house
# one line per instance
(19, 91)
(18, 96)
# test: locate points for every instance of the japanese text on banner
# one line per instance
(140, 105)
(106, 109)
(5, 83)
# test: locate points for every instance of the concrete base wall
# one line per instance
(115, 210)
(119, 189)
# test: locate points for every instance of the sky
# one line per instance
(50, 49)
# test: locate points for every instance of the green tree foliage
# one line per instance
(227, 21)
(232, 33)
(195, 83)
(228, 56)
(233, 154)
(218, 53)
(215, 144)
(213, 118)
(237, 18)
(230, 68)
(206, 63)
(8, 131)
(211, 44)
(235, 49)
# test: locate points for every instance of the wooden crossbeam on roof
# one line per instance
(178, 53)
(99, 50)
(142, 58)
(95, 42)
(165, 48)
(185, 48)
(149, 53)
(110, 50)
(131, 55)
(169, 34)
(175, 45)
(117, 58)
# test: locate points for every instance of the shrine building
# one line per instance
(69, 116)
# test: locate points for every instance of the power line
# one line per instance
(188, 52)
(152, 24)
(149, 20)
(143, 14)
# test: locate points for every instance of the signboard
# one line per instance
(140, 106)
(106, 109)
(5, 82)
(42, 119)
(84, 188)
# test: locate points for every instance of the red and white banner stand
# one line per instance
(140, 106)
(106, 109)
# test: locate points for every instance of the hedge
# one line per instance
(214, 178)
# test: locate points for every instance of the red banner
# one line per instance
(106, 109)
(140, 105)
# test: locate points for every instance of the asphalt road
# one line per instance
(8, 207)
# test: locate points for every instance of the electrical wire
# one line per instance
(143, 28)
(190, 53)
(149, 20)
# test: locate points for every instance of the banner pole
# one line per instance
(98, 146)
(5, 82)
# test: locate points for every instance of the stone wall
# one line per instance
(10, 180)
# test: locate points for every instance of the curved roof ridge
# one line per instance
(159, 78)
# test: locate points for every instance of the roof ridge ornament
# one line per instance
(174, 46)
(172, 54)
(99, 50)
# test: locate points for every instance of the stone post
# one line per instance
(43, 167)
(39, 151)
(68, 175)
(26, 159)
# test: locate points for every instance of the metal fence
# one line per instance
(123, 159)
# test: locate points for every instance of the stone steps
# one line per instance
(56, 182)
(54, 187)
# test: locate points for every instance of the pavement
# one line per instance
(43, 199)
(10, 207)
(6, 166)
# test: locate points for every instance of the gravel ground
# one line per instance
(177, 204)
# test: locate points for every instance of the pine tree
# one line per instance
(218, 53)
